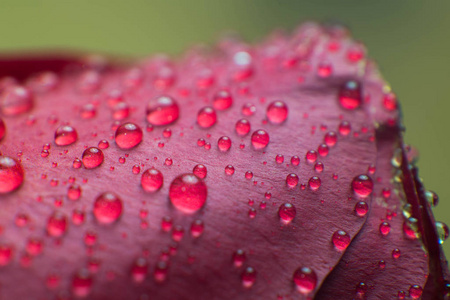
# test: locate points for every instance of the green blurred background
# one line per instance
(410, 40)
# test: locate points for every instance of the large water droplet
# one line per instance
(107, 208)
(305, 279)
(188, 193)
(128, 136)
(152, 180)
(277, 112)
(162, 111)
(362, 186)
(206, 117)
(260, 139)
(350, 95)
(341, 240)
(15, 100)
(65, 135)
(11, 174)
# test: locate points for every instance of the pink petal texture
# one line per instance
(221, 175)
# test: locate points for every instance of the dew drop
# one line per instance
(239, 258)
(92, 157)
(362, 186)
(396, 253)
(222, 100)
(197, 228)
(206, 117)
(260, 139)
(385, 228)
(279, 159)
(305, 280)
(432, 198)
(330, 138)
(128, 136)
(314, 183)
(200, 170)
(295, 160)
(161, 270)
(287, 212)
(57, 224)
(311, 156)
(411, 228)
(121, 111)
(82, 283)
(11, 174)
(188, 193)
(2, 129)
(248, 109)
(361, 208)
(74, 192)
(107, 208)
(292, 180)
(242, 127)
(229, 170)
(139, 270)
(248, 277)
(350, 95)
(341, 240)
(16, 100)
(152, 180)
(277, 112)
(65, 135)
(224, 143)
(162, 111)
(442, 231)
(6, 254)
(415, 291)
(344, 128)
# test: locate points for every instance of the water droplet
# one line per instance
(188, 193)
(292, 180)
(361, 290)
(277, 112)
(396, 253)
(222, 100)
(11, 174)
(206, 117)
(224, 143)
(229, 170)
(57, 224)
(88, 111)
(305, 279)
(279, 159)
(252, 213)
(90, 238)
(152, 180)
(401, 295)
(242, 127)
(6, 254)
(16, 100)
(314, 183)
(330, 138)
(432, 198)
(2, 129)
(249, 175)
(200, 170)
(385, 228)
(239, 258)
(442, 231)
(197, 228)
(248, 277)
(341, 240)
(260, 139)
(415, 291)
(34, 246)
(382, 264)
(311, 156)
(324, 69)
(74, 192)
(362, 186)
(166, 223)
(350, 95)
(361, 208)
(318, 167)
(65, 135)
(160, 273)
(92, 157)
(82, 283)
(139, 269)
(295, 160)
(128, 136)
(248, 109)
(107, 208)
(78, 217)
(390, 101)
(162, 111)
(345, 128)
(411, 228)
(121, 111)
(287, 212)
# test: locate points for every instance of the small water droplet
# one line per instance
(74, 192)
(107, 208)
(415, 291)
(287, 212)
(139, 269)
(295, 160)
(341, 240)
(311, 156)
(57, 224)
(152, 180)
(16, 100)
(330, 138)
(162, 111)
(248, 277)
(197, 228)
(277, 112)
(222, 100)
(224, 143)
(292, 180)
(229, 170)
(260, 139)
(442, 231)
(396, 253)
(411, 228)
(200, 170)
(432, 198)
(92, 157)
(305, 279)
(248, 109)
(81, 283)
(128, 136)
(65, 135)
(6, 254)
(314, 183)
(242, 127)
(385, 228)
(361, 208)
(362, 186)
(239, 258)
(350, 95)
(188, 193)
(345, 128)
(161, 270)
(206, 117)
